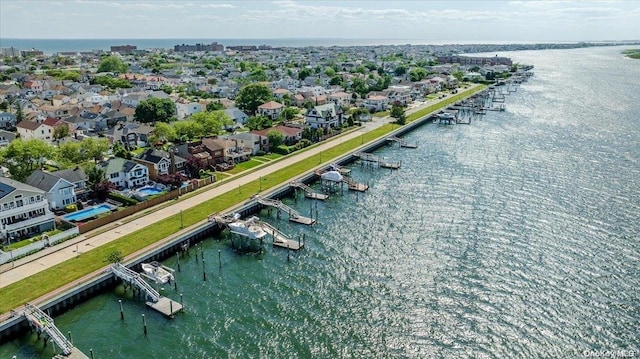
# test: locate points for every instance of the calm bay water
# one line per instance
(514, 237)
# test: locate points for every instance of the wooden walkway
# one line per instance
(280, 239)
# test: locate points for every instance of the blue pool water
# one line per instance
(149, 191)
(87, 213)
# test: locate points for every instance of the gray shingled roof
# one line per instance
(72, 175)
(43, 180)
(7, 185)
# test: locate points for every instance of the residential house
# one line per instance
(134, 99)
(248, 141)
(131, 134)
(24, 210)
(76, 176)
(343, 99)
(398, 94)
(186, 108)
(324, 116)
(31, 129)
(159, 162)
(271, 109)
(376, 103)
(7, 120)
(124, 173)
(6, 137)
(291, 134)
(58, 191)
(238, 116)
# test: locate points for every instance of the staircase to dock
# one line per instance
(43, 323)
(134, 278)
(294, 215)
(279, 238)
(372, 159)
(309, 192)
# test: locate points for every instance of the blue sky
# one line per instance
(495, 21)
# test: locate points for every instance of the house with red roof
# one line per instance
(271, 109)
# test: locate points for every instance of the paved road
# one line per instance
(20, 269)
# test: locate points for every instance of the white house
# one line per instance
(186, 109)
(58, 191)
(6, 137)
(237, 116)
(124, 173)
(271, 109)
(245, 140)
(7, 120)
(376, 103)
(324, 116)
(31, 129)
(24, 210)
(77, 177)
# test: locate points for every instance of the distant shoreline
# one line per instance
(52, 46)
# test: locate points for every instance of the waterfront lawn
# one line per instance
(632, 53)
(243, 166)
(83, 265)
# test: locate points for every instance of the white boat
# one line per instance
(157, 272)
(250, 228)
(333, 176)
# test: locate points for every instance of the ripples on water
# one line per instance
(515, 237)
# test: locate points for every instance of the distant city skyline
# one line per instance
(499, 21)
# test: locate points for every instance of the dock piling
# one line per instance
(219, 260)
(144, 324)
(181, 301)
(121, 310)
(178, 256)
(70, 337)
(204, 274)
(91, 353)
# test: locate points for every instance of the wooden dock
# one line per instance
(280, 239)
(75, 354)
(165, 306)
(294, 216)
(355, 186)
(371, 159)
(308, 191)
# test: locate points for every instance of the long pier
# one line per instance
(294, 216)
(43, 324)
(372, 159)
(402, 142)
(155, 301)
(308, 191)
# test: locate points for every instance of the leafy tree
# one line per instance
(164, 132)
(304, 73)
(211, 122)
(112, 82)
(418, 74)
(289, 113)
(252, 96)
(259, 122)
(4, 105)
(95, 175)
(115, 256)
(330, 72)
(112, 64)
(166, 89)
(194, 165)
(70, 153)
(172, 179)
(19, 113)
(188, 129)
(215, 106)
(276, 138)
(24, 157)
(120, 151)
(335, 80)
(103, 188)
(459, 75)
(212, 81)
(60, 132)
(94, 148)
(397, 112)
(155, 110)
(400, 70)
(359, 86)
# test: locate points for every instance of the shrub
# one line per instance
(70, 208)
(127, 201)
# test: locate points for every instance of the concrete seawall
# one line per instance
(17, 326)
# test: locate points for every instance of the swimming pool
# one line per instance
(88, 212)
(148, 191)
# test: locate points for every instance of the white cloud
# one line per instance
(218, 6)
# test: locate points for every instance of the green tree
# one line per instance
(276, 138)
(164, 132)
(418, 74)
(258, 122)
(166, 89)
(289, 113)
(4, 105)
(120, 151)
(19, 113)
(155, 110)
(397, 112)
(70, 153)
(335, 80)
(304, 73)
(94, 148)
(60, 132)
(188, 129)
(400, 70)
(112, 64)
(211, 122)
(95, 175)
(330, 72)
(215, 106)
(24, 157)
(459, 75)
(252, 96)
